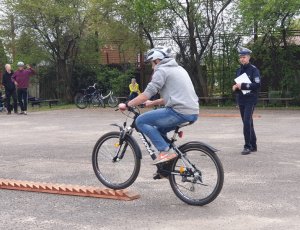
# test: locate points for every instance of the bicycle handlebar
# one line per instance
(133, 110)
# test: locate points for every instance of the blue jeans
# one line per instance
(157, 123)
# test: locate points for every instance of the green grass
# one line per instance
(45, 107)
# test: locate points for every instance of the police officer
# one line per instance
(247, 101)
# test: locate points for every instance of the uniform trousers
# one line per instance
(246, 110)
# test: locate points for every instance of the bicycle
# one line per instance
(112, 100)
(196, 176)
(90, 95)
(2, 102)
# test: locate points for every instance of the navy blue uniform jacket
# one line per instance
(254, 76)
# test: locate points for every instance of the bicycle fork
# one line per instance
(120, 151)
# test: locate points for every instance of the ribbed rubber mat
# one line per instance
(63, 189)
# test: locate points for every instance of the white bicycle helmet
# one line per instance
(20, 63)
(157, 53)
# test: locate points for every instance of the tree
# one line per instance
(192, 25)
(3, 57)
(274, 50)
(268, 17)
(58, 26)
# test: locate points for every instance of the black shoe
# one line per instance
(163, 171)
(8, 113)
(254, 149)
(246, 151)
(157, 176)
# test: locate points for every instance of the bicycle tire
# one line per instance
(80, 101)
(97, 101)
(102, 103)
(106, 168)
(203, 152)
(113, 101)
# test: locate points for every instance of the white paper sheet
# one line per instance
(243, 79)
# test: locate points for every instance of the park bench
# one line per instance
(39, 101)
(220, 100)
(122, 99)
(264, 97)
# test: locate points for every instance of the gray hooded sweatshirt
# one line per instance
(175, 87)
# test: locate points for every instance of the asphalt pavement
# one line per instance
(261, 190)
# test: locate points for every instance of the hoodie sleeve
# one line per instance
(31, 71)
(156, 84)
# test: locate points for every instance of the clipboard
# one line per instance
(243, 79)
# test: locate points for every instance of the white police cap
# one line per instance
(243, 51)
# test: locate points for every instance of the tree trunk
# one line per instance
(13, 37)
(198, 79)
(65, 81)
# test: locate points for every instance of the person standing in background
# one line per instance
(10, 89)
(21, 79)
(247, 102)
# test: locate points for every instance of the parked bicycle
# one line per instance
(196, 176)
(2, 102)
(89, 96)
(112, 101)
(93, 96)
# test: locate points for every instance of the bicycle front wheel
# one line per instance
(97, 101)
(197, 178)
(116, 166)
(113, 101)
(81, 101)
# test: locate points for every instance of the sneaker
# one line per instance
(25, 112)
(163, 171)
(8, 113)
(254, 149)
(164, 157)
(22, 112)
(246, 151)
(157, 176)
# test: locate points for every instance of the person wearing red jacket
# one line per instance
(21, 79)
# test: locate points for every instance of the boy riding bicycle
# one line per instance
(177, 94)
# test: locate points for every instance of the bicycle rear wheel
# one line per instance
(200, 183)
(113, 101)
(113, 172)
(81, 101)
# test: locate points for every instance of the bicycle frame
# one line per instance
(109, 94)
(124, 130)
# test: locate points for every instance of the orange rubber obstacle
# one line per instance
(72, 190)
